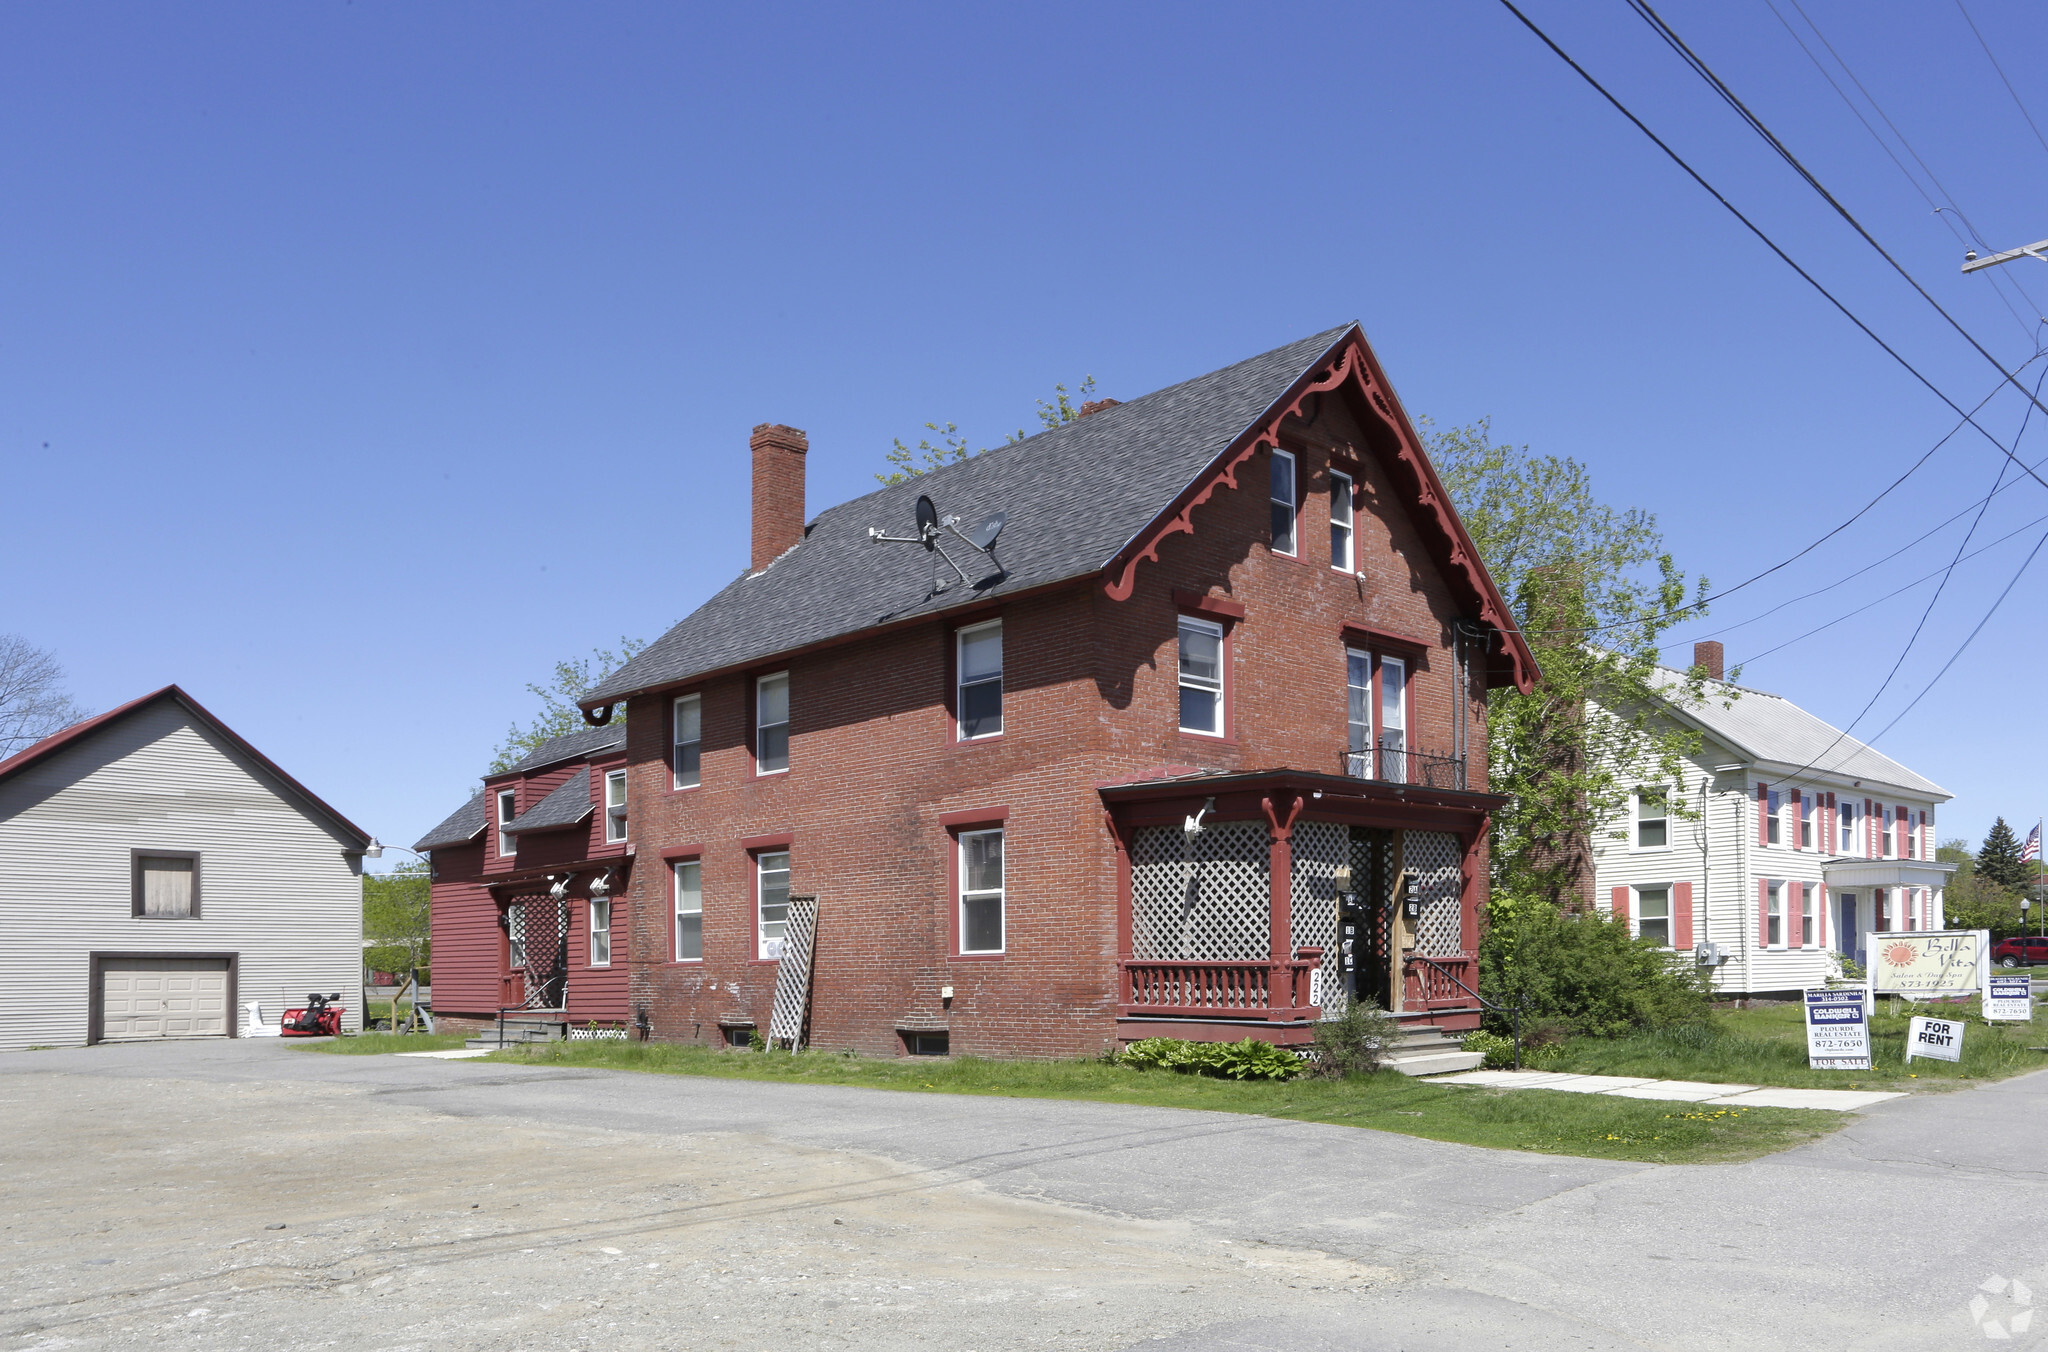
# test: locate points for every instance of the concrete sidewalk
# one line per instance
(1679, 1091)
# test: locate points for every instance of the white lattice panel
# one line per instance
(793, 974)
(1206, 899)
(1435, 859)
(1319, 847)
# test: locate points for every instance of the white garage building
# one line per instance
(156, 873)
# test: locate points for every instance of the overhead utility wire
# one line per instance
(2001, 75)
(1677, 44)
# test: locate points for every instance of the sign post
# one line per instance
(1941, 1039)
(1837, 1034)
(2009, 999)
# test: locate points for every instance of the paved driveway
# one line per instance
(466, 1205)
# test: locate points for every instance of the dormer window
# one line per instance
(508, 809)
(615, 806)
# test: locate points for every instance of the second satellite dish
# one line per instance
(931, 531)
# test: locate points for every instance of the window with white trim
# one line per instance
(981, 891)
(1809, 915)
(1341, 523)
(600, 931)
(771, 902)
(978, 656)
(1653, 914)
(1201, 676)
(687, 727)
(1280, 490)
(1774, 915)
(1774, 807)
(1884, 840)
(1358, 712)
(515, 935)
(1806, 801)
(615, 805)
(1845, 821)
(771, 724)
(1391, 734)
(688, 883)
(1653, 819)
(1912, 838)
(508, 810)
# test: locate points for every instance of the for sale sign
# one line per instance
(2009, 998)
(1837, 1034)
(1941, 1039)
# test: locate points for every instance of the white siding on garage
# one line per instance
(275, 884)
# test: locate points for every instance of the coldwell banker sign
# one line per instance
(1837, 1035)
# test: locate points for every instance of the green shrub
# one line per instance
(1250, 1059)
(1584, 972)
(1354, 1043)
(1499, 1049)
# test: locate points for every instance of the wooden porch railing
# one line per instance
(1448, 980)
(1236, 990)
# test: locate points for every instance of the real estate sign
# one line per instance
(1941, 1039)
(2009, 998)
(1837, 1034)
(1926, 963)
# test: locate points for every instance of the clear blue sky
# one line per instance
(359, 360)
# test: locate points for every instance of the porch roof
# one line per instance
(1342, 793)
(1850, 872)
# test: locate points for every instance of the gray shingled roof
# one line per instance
(1772, 729)
(569, 746)
(464, 824)
(566, 806)
(1075, 496)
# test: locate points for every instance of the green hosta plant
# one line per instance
(1250, 1059)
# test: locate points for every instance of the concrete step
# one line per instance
(1435, 1062)
(518, 1033)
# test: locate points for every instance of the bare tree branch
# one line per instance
(33, 701)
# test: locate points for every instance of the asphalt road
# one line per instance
(462, 1204)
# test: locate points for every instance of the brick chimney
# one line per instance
(778, 490)
(1097, 405)
(1709, 654)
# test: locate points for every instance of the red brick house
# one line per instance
(1151, 763)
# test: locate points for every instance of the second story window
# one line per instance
(1653, 820)
(1847, 819)
(981, 892)
(600, 932)
(980, 657)
(615, 805)
(1376, 712)
(1884, 840)
(771, 724)
(1774, 804)
(688, 727)
(1340, 522)
(1281, 491)
(508, 808)
(166, 887)
(1201, 676)
(1392, 739)
(1806, 821)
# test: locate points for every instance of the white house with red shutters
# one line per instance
(1784, 843)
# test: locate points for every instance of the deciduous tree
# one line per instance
(33, 701)
(559, 713)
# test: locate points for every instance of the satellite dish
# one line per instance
(927, 519)
(983, 536)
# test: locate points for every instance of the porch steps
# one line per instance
(1425, 1049)
(518, 1032)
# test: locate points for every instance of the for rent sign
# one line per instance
(1837, 1035)
(1928, 963)
(1941, 1039)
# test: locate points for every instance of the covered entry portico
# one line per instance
(1255, 904)
(1876, 896)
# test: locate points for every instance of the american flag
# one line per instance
(2033, 845)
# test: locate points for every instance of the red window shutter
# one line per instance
(1681, 916)
(1763, 814)
(1620, 898)
(1905, 825)
(1878, 897)
(1763, 912)
(1871, 826)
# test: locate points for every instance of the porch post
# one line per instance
(1280, 891)
(1124, 919)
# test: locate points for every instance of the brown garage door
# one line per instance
(144, 998)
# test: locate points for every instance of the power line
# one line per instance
(1700, 67)
(2001, 75)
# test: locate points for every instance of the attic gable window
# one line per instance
(771, 724)
(508, 808)
(167, 886)
(1341, 523)
(688, 763)
(979, 655)
(1281, 490)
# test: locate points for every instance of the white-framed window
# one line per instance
(1774, 915)
(1376, 716)
(1358, 713)
(771, 902)
(771, 724)
(1884, 840)
(1806, 804)
(1913, 835)
(600, 931)
(1201, 676)
(981, 891)
(508, 809)
(1774, 822)
(1342, 554)
(1653, 914)
(978, 656)
(1809, 915)
(688, 875)
(1391, 734)
(1845, 823)
(1653, 819)
(615, 805)
(515, 935)
(687, 726)
(1280, 489)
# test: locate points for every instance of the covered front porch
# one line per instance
(1879, 896)
(1257, 904)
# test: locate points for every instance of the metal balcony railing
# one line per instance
(1406, 766)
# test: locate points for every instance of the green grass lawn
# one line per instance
(1766, 1045)
(376, 1044)
(1557, 1124)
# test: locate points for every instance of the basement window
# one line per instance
(927, 1044)
(741, 1036)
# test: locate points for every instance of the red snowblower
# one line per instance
(320, 1018)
